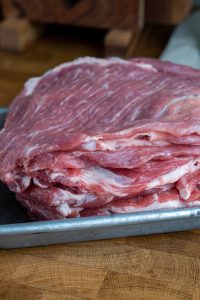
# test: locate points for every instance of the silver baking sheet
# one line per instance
(16, 230)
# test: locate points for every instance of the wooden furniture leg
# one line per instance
(120, 42)
(18, 33)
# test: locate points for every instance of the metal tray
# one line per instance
(16, 230)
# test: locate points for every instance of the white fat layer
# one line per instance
(28, 150)
(89, 60)
(64, 209)
(26, 181)
(38, 183)
(97, 176)
(94, 143)
(63, 195)
(185, 189)
(89, 146)
(111, 145)
(119, 185)
(54, 175)
(154, 206)
(115, 144)
(20, 182)
(107, 180)
(31, 84)
(174, 175)
(146, 66)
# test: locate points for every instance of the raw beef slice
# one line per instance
(103, 136)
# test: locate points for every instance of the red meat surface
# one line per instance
(103, 136)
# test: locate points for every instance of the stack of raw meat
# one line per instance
(104, 136)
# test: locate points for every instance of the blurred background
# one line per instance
(37, 35)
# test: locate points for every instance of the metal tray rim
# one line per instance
(100, 222)
(90, 228)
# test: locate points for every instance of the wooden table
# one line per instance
(164, 266)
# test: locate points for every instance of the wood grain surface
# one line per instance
(98, 13)
(160, 267)
(167, 11)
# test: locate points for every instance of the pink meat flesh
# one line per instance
(97, 137)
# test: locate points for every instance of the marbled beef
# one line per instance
(102, 136)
